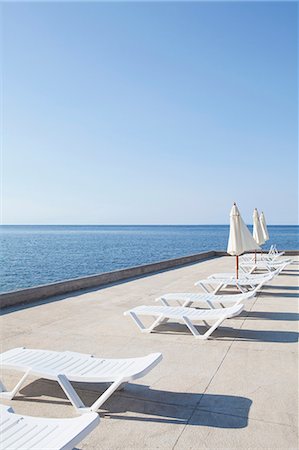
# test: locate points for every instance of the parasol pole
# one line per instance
(237, 266)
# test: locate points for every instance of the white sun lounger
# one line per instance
(216, 282)
(19, 432)
(246, 276)
(185, 315)
(272, 261)
(65, 367)
(277, 259)
(269, 266)
(208, 300)
(274, 252)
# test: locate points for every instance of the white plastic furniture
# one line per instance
(65, 367)
(269, 266)
(208, 300)
(272, 258)
(274, 252)
(185, 315)
(214, 283)
(246, 276)
(19, 432)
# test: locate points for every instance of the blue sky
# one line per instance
(149, 113)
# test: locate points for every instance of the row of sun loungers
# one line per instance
(221, 307)
(22, 432)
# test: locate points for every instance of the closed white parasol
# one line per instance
(264, 226)
(257, 233)
(240, 239)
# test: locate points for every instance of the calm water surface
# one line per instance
(35, 255)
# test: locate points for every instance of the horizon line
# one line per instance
(129, 225)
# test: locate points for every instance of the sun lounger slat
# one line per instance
(12, 434)
(31, 357)
(92, 369)
(29, 436)
(209, 300)
(35, 433)
(118, 368)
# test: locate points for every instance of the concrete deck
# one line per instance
(238, 390)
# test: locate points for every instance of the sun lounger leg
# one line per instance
(137, 321)
(211, 304)
(187, 303)
(163, 301)
(10, 394)
(76, 400)
(207, 333)
(204, 288)
(259, 286)
(70, 393)
(219, 287)
(241, 288)
(114, 386)
(211, 329)
(140, 325)
(191, 327)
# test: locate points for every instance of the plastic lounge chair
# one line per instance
(216, 282)
(268, 257)
(18, 432)
(186, 315)
(274, 252)
(246, 276)
(275, 256)
(65, 367)
(269, 266)
(209, 300)
(277, 259)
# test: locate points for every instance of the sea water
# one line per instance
(36, 255)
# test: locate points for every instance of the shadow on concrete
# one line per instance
(272, 315)
(227, 333)
(279, 294)
(290, 273)
(287, 288)
(256, 335)
(284, 272)
(141, 403)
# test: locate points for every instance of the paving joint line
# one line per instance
(215, 373)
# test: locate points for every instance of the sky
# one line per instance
(149, 113)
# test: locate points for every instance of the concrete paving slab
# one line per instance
(236, 390)
(222, 431)
(269, 383)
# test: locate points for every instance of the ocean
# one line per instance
(36, 255)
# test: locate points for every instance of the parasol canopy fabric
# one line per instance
(240, 239)
(264, 226)
(258, 234)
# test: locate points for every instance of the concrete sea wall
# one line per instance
(36, 293)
